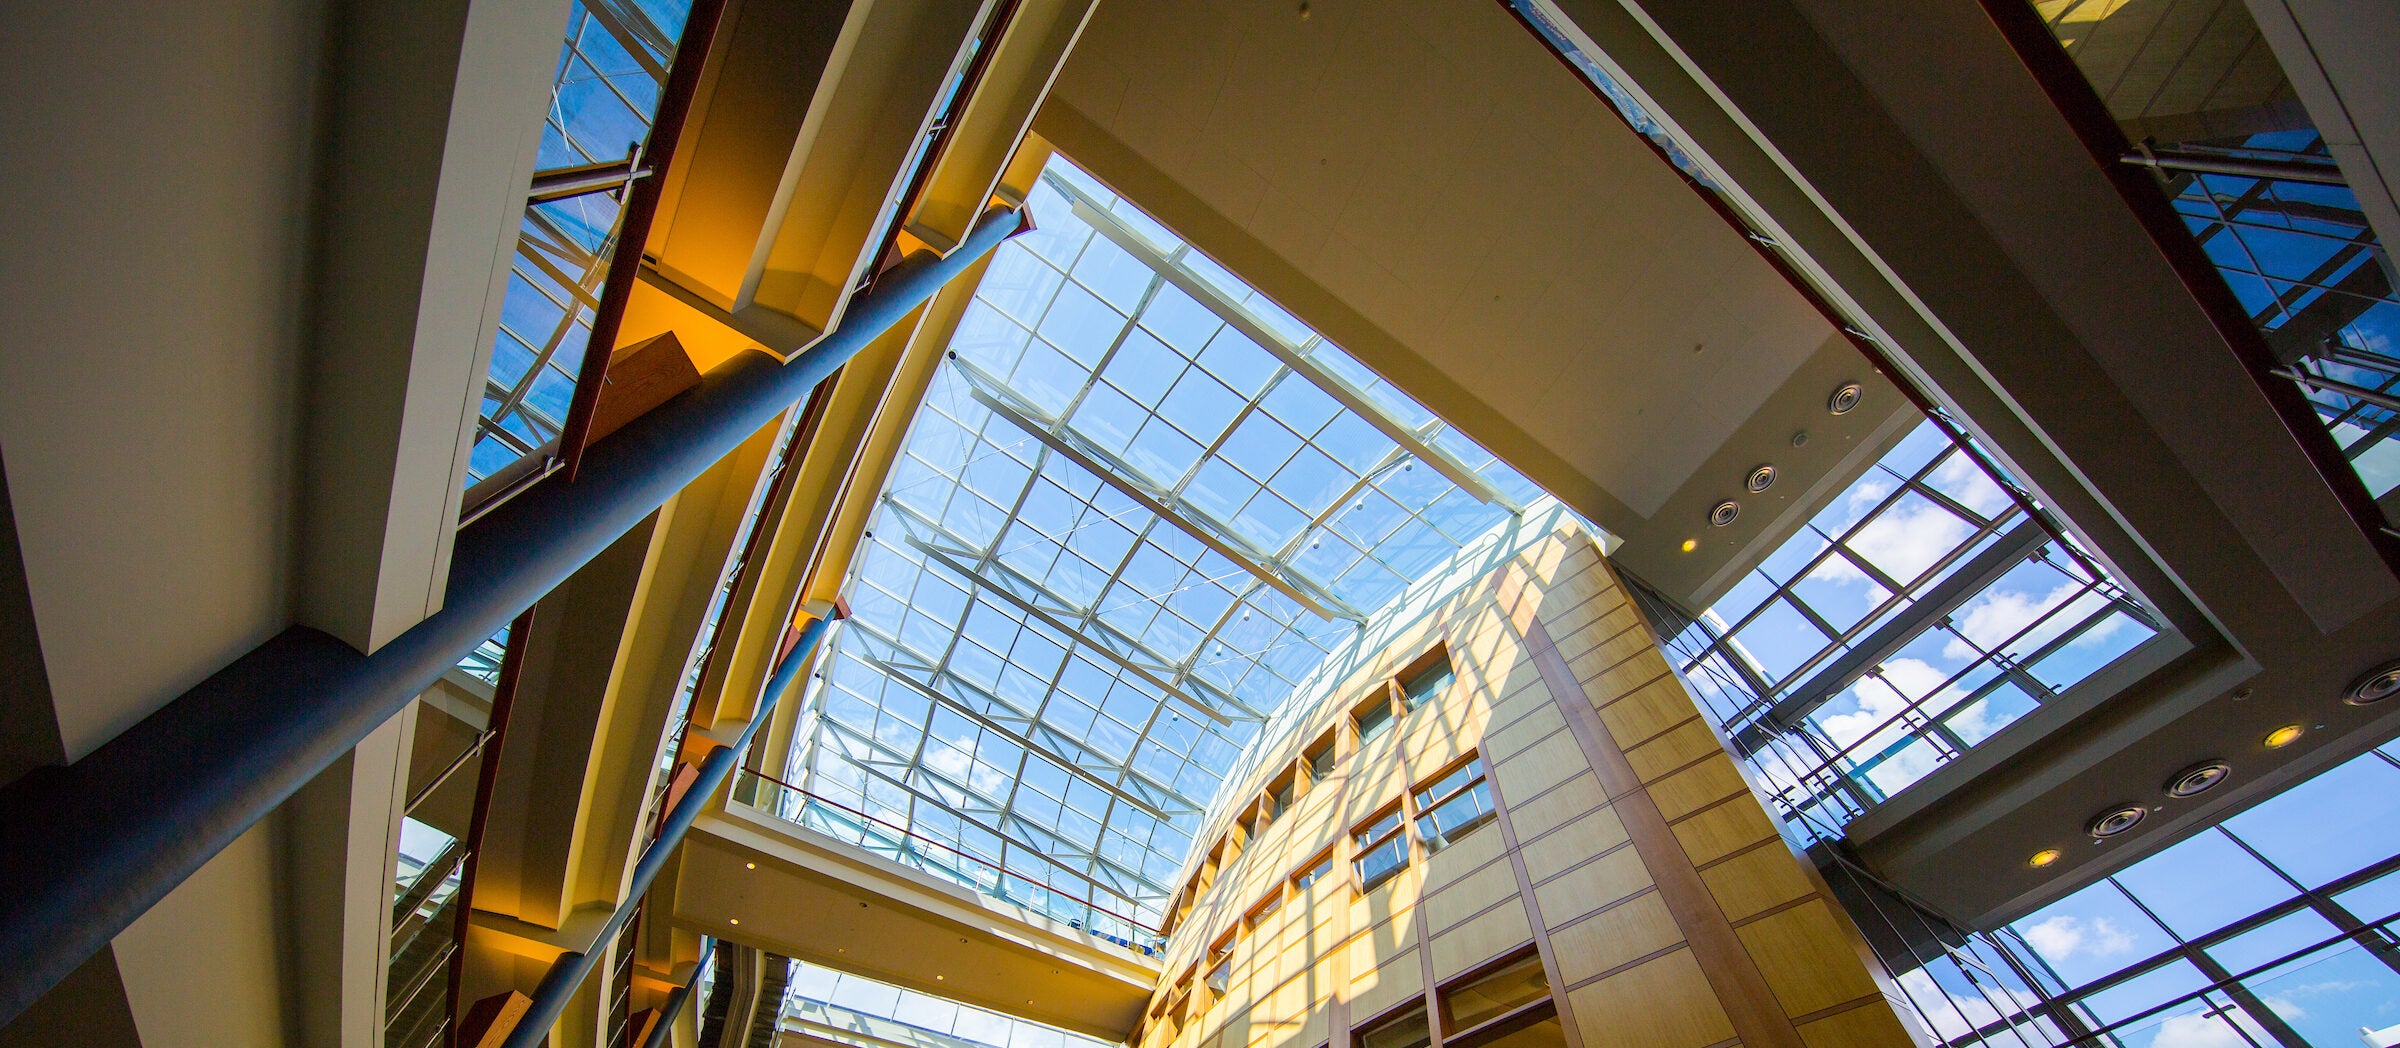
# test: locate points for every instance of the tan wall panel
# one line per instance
(1591, 886)
(1506, 739)
(1533, 816)
(1471, 895)
(1577, 624)
(1756, 880)
(1865, 1027)
(1697, 787)
(1383, 987)
(1390, 899)
(1605, 652)
(1466, 856)
(1723, 830)
(1663, 1003)
(1540, 766)
(1641, 668)
(1573, 843)
(1481, 939)
(1653, 709)
(1614, 937)
(1673, 750)
(1808, 957)
(1514, 705)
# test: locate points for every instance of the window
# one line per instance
(1313, 872)
(1426, 682)
(1374, 717)
(1382, 848)
(1220, 963)
(1405, 1030)
(1503, 987)
(1320, 757)
(1454, 804)
(1283, 792)
(1266, 908)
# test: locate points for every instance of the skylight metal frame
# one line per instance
(1048, 589)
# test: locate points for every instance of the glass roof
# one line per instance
(1139, 503)
(611, 67)
(1868, 574)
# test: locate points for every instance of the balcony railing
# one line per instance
(1073, 902)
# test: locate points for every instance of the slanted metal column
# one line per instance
(88, 847)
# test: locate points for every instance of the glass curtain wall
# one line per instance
(2273, 928)
(1870, 649)
(611, 68)
(1137, 505)
(2196, 87)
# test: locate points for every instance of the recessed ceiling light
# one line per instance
(2283, 736)
(2111, 823)
(749, 865)
(1761, 478)
(1690, 545)
(2043, 858)
(1845, 398)
(733, 920)
(940, 978)
(2198, 779)
(1724, 512)
(2375, 685)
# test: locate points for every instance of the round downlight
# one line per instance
(2198, 779)
(2110, 824)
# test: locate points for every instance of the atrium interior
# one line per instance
(1200, 524)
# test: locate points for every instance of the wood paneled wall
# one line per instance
(1629, 849)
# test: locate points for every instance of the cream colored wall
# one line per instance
(1629, 850)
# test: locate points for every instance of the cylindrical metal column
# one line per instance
(88, 847)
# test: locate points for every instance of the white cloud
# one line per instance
(1954, 1015)
(1910, 537)
(2214, 1029)
(1995, 616)
(953, 763)
(2064, 936)
(1960, 478)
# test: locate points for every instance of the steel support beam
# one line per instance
(570, 969)
(1164, 512)
(1292, 357)
(2012, 547)
(88, 847)
(2319, 173)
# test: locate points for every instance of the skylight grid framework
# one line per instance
(2256, 187)
(1129, 517)
(612, 65)
(1912, 619)
(2287, 941)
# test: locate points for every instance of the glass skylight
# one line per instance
(1849, 664)
(611, 68)
(1138, 504)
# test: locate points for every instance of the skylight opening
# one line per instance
(1139, 504)
(1919, 614)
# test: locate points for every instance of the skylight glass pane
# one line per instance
(1833, 736)
(1125, 522)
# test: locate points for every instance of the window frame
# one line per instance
(1423, 810)
(1361, 848)
(1405, 682)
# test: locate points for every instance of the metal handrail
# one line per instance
(808, 797)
